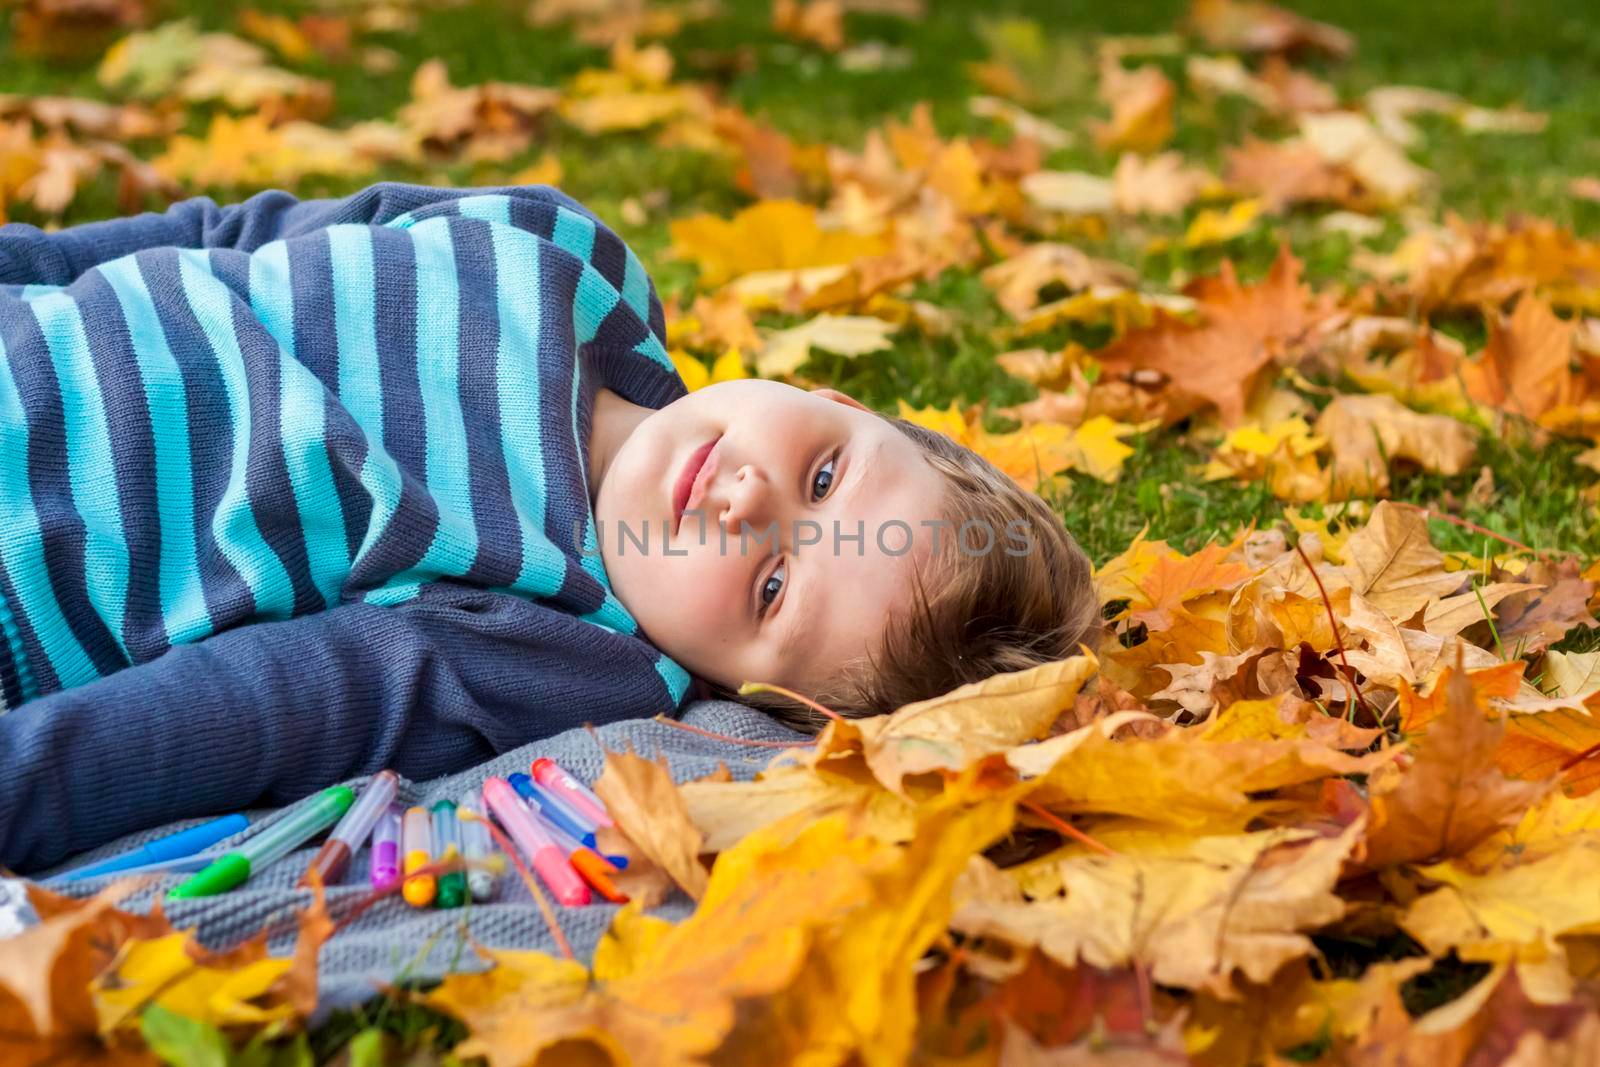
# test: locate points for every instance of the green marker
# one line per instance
(447, 846)
(269, 846)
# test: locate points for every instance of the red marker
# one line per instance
(577, 795)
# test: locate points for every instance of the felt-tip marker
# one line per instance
(548, 773)
(159, 854)
(535, 842)
(383, 866)
(333, 858)
(477, 845)
(416, 841)
(551, 807)
(270, 845)
(446, 847)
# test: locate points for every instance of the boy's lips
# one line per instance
(692, 480)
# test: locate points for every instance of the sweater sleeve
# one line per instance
(270, 712)
(31, 256)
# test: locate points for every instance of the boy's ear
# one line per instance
(840, 398)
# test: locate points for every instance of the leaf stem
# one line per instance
(1067, 829)
(767, 687)
(1350, 673)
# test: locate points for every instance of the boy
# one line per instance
(294, 491)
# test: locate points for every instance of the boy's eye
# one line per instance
(822, 481)
(771, 588)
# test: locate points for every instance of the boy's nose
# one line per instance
(747, 497)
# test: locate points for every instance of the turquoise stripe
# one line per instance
(302, 429)
(360, 375)
(403, 221)
(390, 595)
(233, 523)
(516, 265)
(355, 319)
(489, 207)
(32, 292)
(652, 348)
(12, 635)
(574, 232)
(636, 287)
(381, 478)
(593, 301)
(90, 466)
(184, 614)
(22, 544)
(675, 677)
(455, 542)
(271, 299)
(302, 426)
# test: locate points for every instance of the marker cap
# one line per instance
(226, 873)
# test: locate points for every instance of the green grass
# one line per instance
(1541, 54)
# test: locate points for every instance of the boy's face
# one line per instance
(800, 474)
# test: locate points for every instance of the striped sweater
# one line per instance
(291, 491)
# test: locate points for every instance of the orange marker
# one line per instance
(595, 868)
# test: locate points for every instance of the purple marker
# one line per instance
(384, 866)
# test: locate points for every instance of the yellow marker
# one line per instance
(416, 840)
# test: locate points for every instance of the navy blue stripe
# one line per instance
(133, 456)
(49, 481)
(622, 329)
(610, 257)
(227, 594)
(44, 675)
(499, 558)
(232, 269)
(558, 276)
(316, 346)
(10, 679)
(267, 483)
(416, 520)
(537, 217)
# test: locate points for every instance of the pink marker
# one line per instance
(535, 842)
(549, 774)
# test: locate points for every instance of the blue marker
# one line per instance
(164, 850)
(550, 808)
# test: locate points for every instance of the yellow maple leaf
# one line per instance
(847, 335)
(727, 367)
(770, 235)
(163, 971)
(1212, 227)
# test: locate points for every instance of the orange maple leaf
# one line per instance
(1243, 330)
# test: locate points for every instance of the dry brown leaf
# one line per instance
(1162, 184)
(1243, 329)
(1253, 26)
(1192, 919)
(1141, 108)
(1453, 796)
(1391, 562)
(641, 797)
(954, 731)
(1364, 431)
(1018, 280)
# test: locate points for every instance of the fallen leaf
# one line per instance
(1453, 796)
(647, 807)
(1243, 329)
(846, 335)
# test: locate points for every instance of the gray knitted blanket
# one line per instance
(394, 942)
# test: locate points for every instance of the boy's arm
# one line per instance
(270, 712)
(30, 256)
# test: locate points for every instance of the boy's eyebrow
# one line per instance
(791, 637)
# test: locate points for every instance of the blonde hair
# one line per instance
(976, 614)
